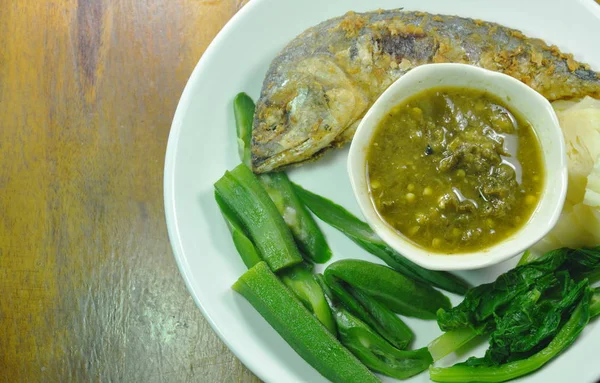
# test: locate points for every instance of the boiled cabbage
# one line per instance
(592, 189)
(579, 223)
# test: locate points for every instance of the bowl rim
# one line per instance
(356, 166)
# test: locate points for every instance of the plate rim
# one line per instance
(169, 180)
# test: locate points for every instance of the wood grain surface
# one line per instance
(89, 288)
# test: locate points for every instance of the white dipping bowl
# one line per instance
(521, 99)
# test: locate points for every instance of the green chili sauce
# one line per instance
(455, 170)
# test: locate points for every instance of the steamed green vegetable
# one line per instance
(473, 316)
(595, 303)
(242, 243)
(300, 329)
(465, 373)
(532, 313)
(450, 341)
(369, 346)
(243, 110)
(395, 291)
(484, 303)
(359, 232)
(308, 236)
(375, 352)
(529, 322)
(243, 194)
(300, 280)
(526, 258)
(374, 314)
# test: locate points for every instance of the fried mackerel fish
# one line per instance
(318, 88)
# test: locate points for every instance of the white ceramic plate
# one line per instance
(202, 146)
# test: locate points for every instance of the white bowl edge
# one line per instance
(517, 96)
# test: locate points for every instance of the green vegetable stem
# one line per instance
(300, 329)
(362, 234)
(527, 257)
(248, 201)
(392, 289)
(306, 232)
(595, 303)
(450, 341)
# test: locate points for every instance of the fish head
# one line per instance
(315, 103)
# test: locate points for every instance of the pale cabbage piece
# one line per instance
(592, 189)
(549, 242)
(581, 128)
(561, 105)
(579, 222)
(577, 228)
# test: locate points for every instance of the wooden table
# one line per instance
(89, 288)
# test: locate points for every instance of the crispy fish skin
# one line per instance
(319, 87)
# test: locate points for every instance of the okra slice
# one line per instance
(300, 329)
(308, 235)
(300, 280)
(247, 199)
(400, 294)
(380, 318)
(376, 353)
(243, 110)
(242, 243)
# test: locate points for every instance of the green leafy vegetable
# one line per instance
(482, 303)
(528, 325)
(532, 313)
(465, 373)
